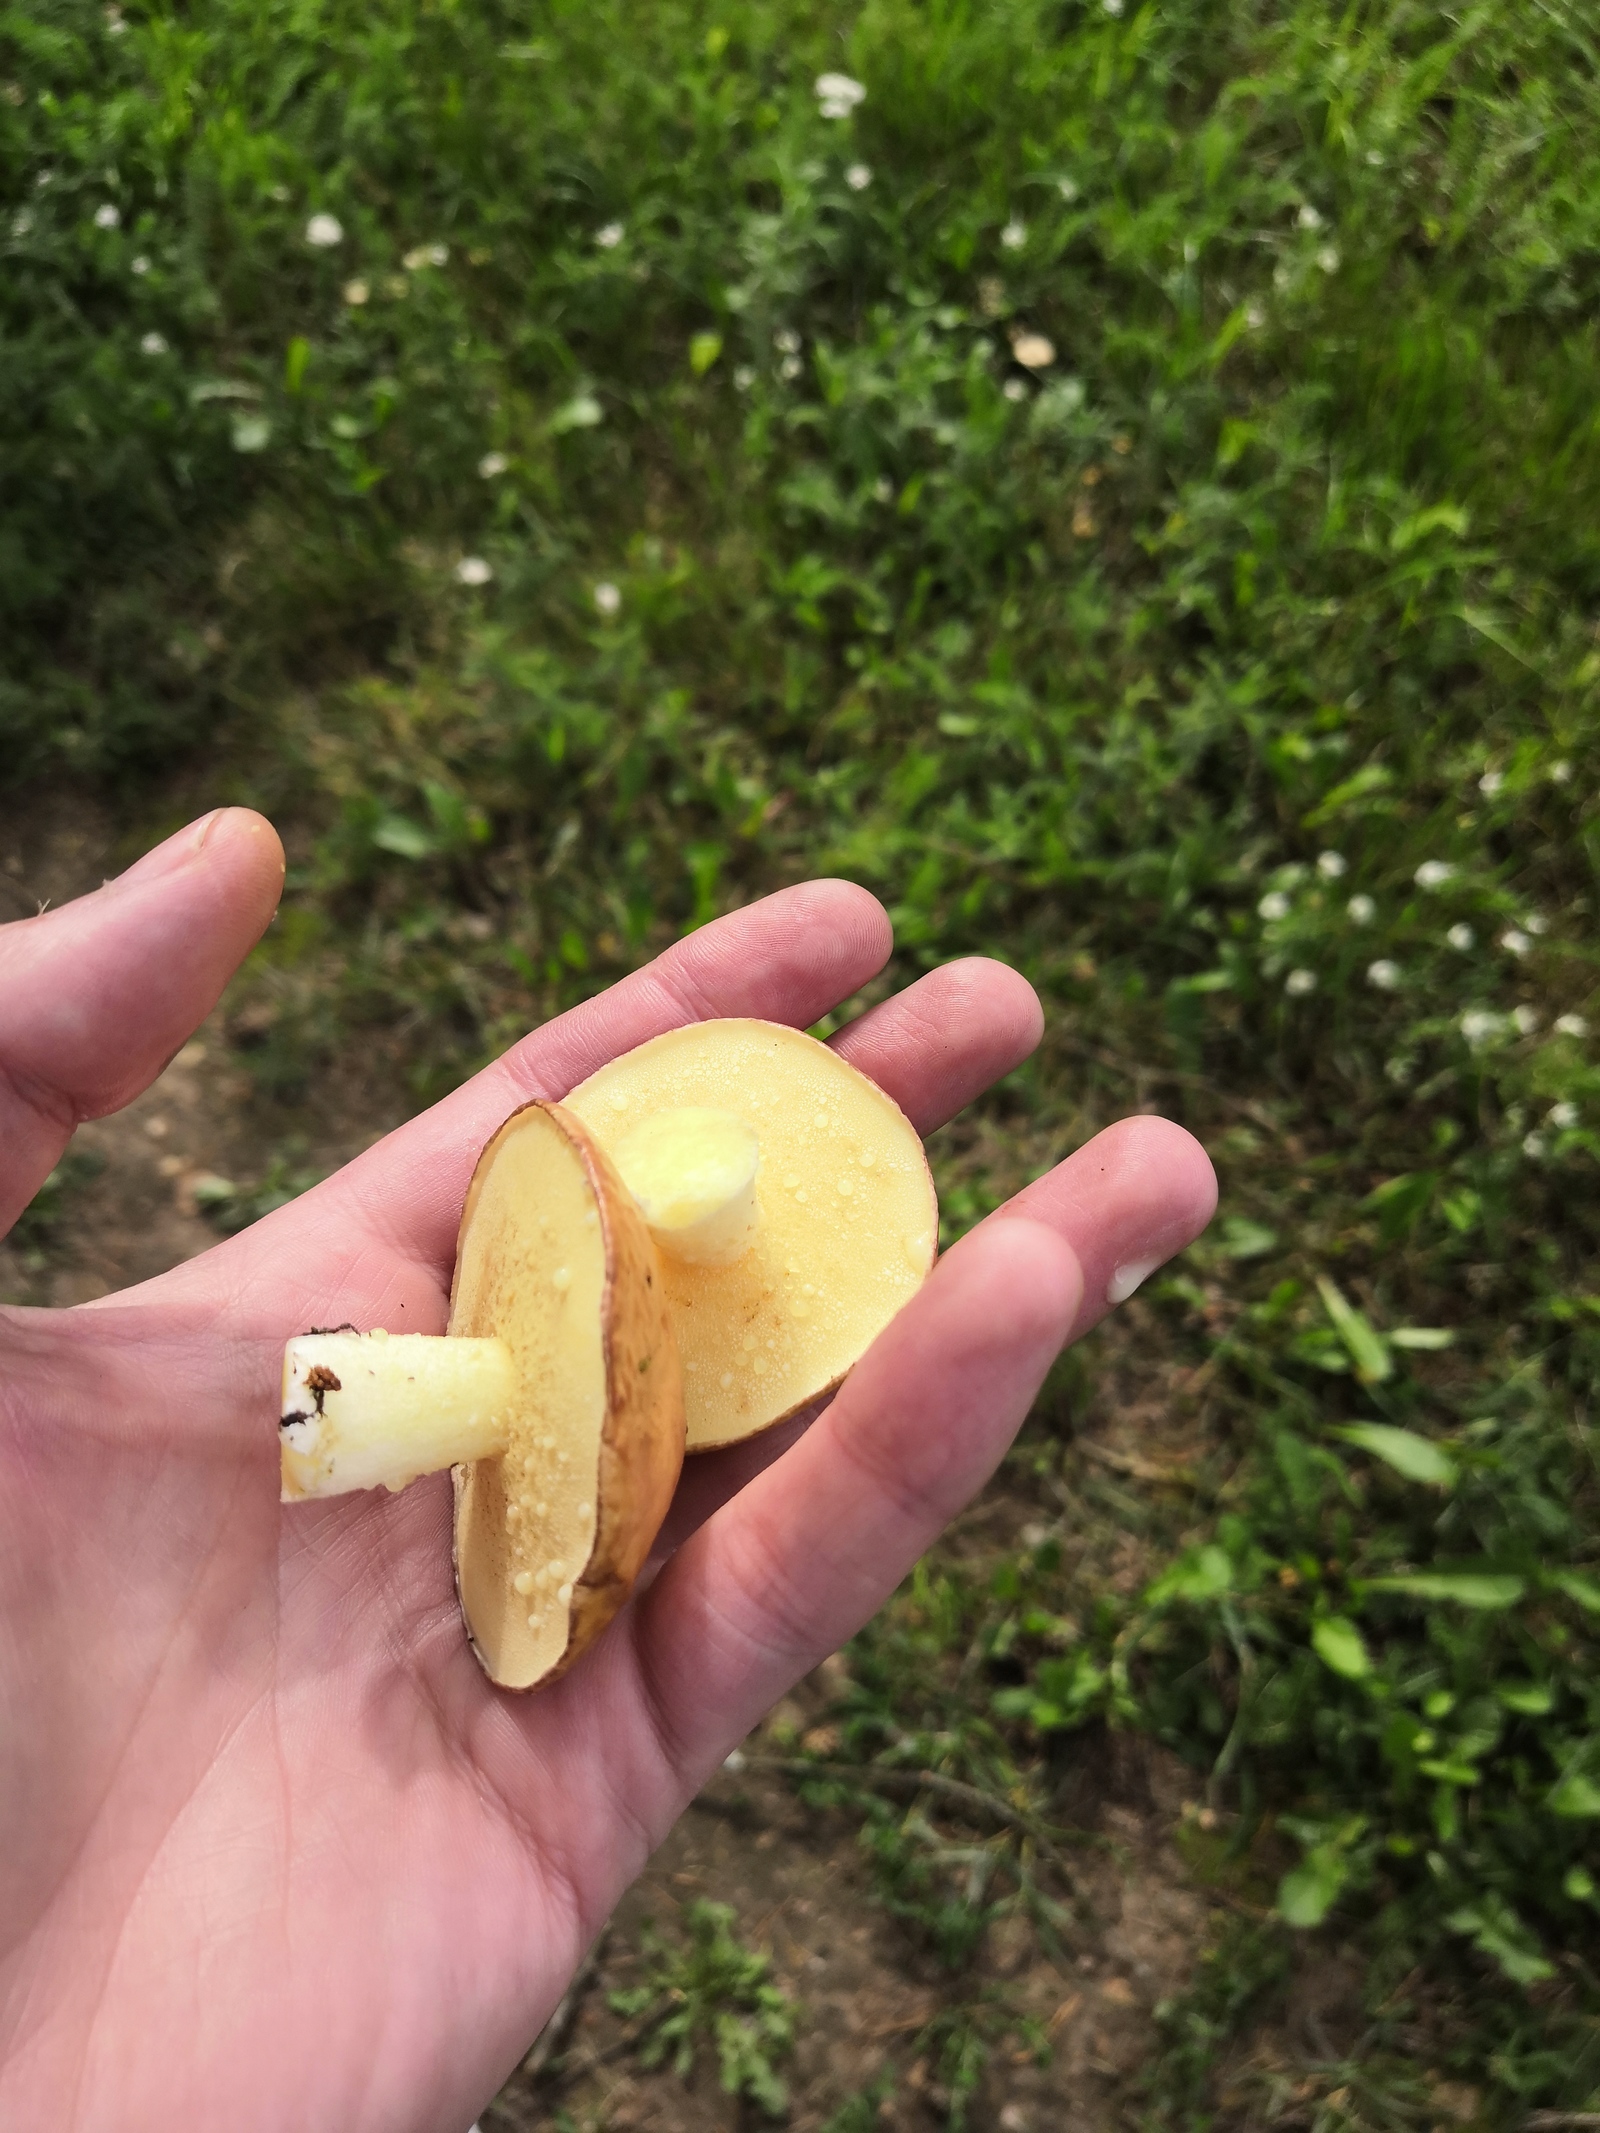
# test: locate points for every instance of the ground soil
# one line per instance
(796, 1879)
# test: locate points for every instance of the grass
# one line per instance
(642, 502)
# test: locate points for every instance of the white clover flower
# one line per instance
(324, 231)
(607, 599)
(837, 95)
(154, 344)
(1480, 1024)
(1461, 936)
(1299, 982)
(492, 464)
(1572, 1025)
(786, 341)
(1014, 389)
(608, 236)
(1383, 974)
(790, 368)
(882, 489)
(1514, 941)
(1273, 906)
(1536, 922)
(1033, 351)
(141, 265)
(1331, 865)
(858, 177)
(1362, 910)
(1328, 258)
(1068, 189)
(1492, 784)
(1113, 8)
(474, 570)
(1255, 315)
(1308, 218)
(1434, 873)
(1561, 772)
(426, 255)
(1563, 1116)
(107, 217)
(356, 293)
(1527, 1019)
(1533, 1146)
(1015, 235)
(743, 378)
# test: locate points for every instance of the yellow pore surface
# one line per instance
(846, 1228)
(532, 1270)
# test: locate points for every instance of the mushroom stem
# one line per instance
(370, 1410)
(692, 1171)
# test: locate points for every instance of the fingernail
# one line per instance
(201, 830)
(1127, 1278)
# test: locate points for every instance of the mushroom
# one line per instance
(556, 1396)
(789, 1199)
(733, 1193)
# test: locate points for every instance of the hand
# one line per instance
(276, 1854)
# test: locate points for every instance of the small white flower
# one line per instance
(1492, 784)
(356, 293)
(1383, 974)
(1434, 873)
(1572, 1025)
(858, 177)
(608, 236)
(1533, 1146)
(154, 344)
(1014, 389)
(474, 570)
(1308, 218)
(838, 95)
(1299, 982)
(1331, 865)
(491, 464)
(1375, 158)
(1328, 258)
(786, 341)
(1514, 941)
(1461, 936)
(607, 599)
(324, 231)
(1033, 351)
(790, 368)
(1015, 235)
(141, 265)
(1112, 7)
(1480, 1024)
(1362, 910)
(1561, 772)
(882, 489)
(1536, 922)
(1068, 189)
(743, 378)
(1273, 906)
(1255, 315)
(1526, 1018)
(426, 255)
(1563, 1116)
(21, 222)
(107, 217)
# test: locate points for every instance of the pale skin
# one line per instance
(276, 1854)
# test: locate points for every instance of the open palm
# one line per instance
(276, 1854)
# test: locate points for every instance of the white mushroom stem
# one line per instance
(370, 1410)
(692, 1171)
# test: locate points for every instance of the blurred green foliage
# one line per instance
(1127, 490)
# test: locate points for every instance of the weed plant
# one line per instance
(1126, 487)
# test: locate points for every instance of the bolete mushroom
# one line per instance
(790, 1201)
(733, 1193)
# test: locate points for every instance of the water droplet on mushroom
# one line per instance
(801, 1196)
(726, 1379)
(564, 1595)
(749, 1344)
(845, 1186)
(523, 1582)
(561, 1280)
(791, 1181)
(584, 1509)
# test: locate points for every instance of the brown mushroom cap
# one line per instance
(848, 1218)
(554, 1258)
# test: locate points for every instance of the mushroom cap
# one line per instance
(554, 1259)
(848, 1218)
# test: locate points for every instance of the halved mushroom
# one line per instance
(734, 1191)
(556, 1396)
(790, 1202)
